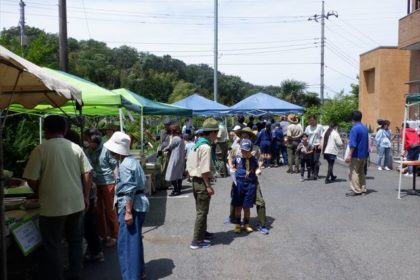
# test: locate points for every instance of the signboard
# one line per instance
(27, 236)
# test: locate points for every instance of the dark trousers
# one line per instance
(315, 162)
(202, 204)
(91, 231)
(305, 162)
(52, 230)
(275, 151)
(177, 184)
(330, 173)
(223, 149)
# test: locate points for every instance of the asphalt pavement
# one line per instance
(316, 232)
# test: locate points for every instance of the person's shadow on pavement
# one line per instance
(160, 268)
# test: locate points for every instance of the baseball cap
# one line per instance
(246, 145)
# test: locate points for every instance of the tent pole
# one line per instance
(121, 120)
(402, 150)
(2, 209)
(141, 132)
(40, 130)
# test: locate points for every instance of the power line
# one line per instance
(161, 22)
(87, 23)
(235, 50)
(340, 50)
(271, 63)
(127, 13)
(346, 38)
(206, 44)
(341, 73)
(342, 57)
(249, 53)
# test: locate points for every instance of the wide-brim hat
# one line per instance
(210, 124)
(292, 118)
(119, 143)
(248, 131)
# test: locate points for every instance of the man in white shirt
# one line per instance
(59, 172)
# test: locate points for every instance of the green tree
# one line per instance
(181, 90)
(339, 109)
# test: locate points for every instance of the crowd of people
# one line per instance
(96, 192)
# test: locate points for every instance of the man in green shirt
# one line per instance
(59, 172)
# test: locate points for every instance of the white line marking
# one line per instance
(179, 196)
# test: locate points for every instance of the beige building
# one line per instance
(384, 72)
(389, 74)
(409, 39)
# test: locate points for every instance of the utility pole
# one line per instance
(216, 16)
(322, 17)
(22, 25)
(62, 34)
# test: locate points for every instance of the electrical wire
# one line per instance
(341, 57)
(221, 42)
(341, 73)
(87, 23)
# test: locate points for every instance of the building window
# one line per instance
(370, 80)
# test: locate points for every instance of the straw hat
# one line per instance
(248, 131)
(210, 124)
(119, 143)
(292, 118)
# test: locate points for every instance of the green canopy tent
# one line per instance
(96, 100)
(135, 102)
(149, 107)
(410, 101)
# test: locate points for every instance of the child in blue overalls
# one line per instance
(246, 167)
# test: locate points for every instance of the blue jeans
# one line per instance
(383, 153)
(283, 150)
(130, 246)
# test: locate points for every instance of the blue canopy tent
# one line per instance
(202, 106)
(262, 103)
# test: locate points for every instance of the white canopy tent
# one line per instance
(22, 82)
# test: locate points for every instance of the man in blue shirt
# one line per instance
(359, 152)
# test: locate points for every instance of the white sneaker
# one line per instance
(380, 168)
(387, 168)
(408, 175)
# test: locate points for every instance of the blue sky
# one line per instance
(264, 41)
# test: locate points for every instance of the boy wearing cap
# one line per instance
(246, 170)
(200, 166)
(259, 201)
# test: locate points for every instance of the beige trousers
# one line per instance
(357, 175)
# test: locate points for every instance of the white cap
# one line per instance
(119, 143)
(236, 128)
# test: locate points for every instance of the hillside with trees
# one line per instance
(160, 78)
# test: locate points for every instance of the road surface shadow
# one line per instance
(160, 268)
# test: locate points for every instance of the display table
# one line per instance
(414, 164)
(152, 170)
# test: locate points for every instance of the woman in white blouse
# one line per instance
(331, 142)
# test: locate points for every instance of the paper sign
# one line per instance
(27, 236)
